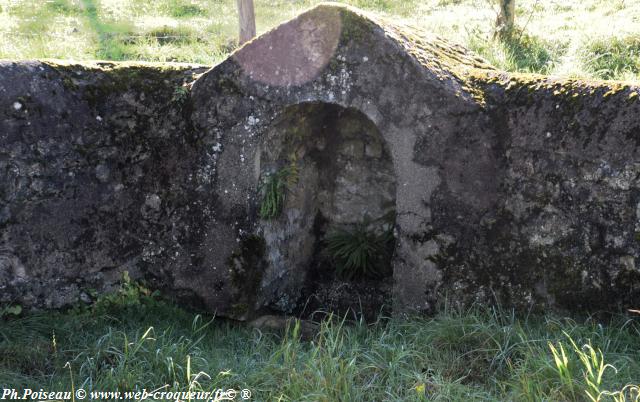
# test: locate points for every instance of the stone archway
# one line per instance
(340, 176)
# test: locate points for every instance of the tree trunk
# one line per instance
(506, 19)
(247, 21)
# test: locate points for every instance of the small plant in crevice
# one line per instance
(273, 190)
(180, 95)
(360, 252)
(131, 294)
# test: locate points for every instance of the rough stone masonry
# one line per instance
(510, 188)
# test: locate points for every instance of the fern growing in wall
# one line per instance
(273, 190)
(360, 252)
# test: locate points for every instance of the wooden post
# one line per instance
(247, 20)
(506, 18)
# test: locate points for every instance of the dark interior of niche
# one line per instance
(347, 170)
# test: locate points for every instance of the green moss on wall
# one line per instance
(98, 81)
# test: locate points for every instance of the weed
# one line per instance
(180, 95)
(131, 294)
(273, 190)
(591, 363)
(360, 252)
(563, 368)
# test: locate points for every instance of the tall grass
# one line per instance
(572, 38)
(617, 57)
(134, 340)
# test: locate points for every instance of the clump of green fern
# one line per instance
(360, 252)
(273, 190)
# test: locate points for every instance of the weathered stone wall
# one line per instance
(95, 166)
(565, 228)
(515, 188)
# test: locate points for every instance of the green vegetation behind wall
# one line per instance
(591, 39)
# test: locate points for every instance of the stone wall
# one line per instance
(95, 165)
(507, 188)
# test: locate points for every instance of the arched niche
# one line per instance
(339, 177)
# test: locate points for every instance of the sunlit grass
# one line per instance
(591, 38)
(614, 57)
(133, 340)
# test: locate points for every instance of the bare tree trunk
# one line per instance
(506, 19)
(247, 20)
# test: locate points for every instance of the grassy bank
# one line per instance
(571, 38)
(133, 340)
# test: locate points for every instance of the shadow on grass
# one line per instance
(518, 51)
(112, 37)
(173, 35)
(64, 7)
(528, 53)
(181, 9)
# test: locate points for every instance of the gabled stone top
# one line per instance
(320, 30)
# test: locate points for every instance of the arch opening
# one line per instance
(330, 245)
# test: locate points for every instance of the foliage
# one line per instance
(131, 294)
(360, 252)
(180, 95)
(273, 191)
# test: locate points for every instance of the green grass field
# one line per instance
(132, 341)
(598, 39)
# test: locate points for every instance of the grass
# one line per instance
(595, 39)
(134, 340)
(520, 52)
(614, 57)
